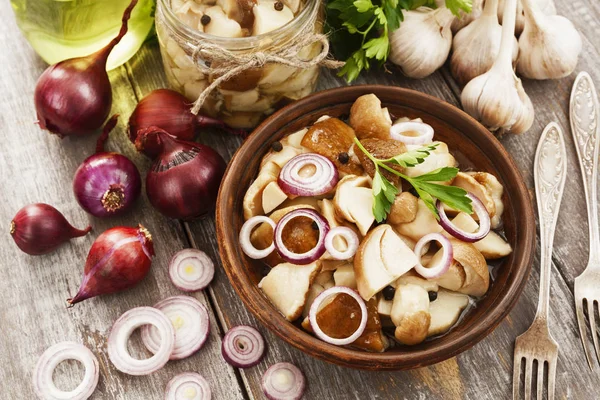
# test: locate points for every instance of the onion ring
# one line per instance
(122, 330)
(247, 246)
(324, 179)
(188, 386)
(445, 262)
(54, 355)
(424, 130)
(314, 253)
(351, 241)
(191, 270)
(314, 309)
(243, 346)
(482, 215)
(283, 381)
(190, 320)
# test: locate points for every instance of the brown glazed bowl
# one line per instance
(465, 136)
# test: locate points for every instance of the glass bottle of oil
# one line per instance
(61, 29)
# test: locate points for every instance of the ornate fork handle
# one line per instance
(584, 126)
(550, 171)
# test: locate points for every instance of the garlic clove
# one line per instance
(422, 43)
(546, 6)
(465, 19)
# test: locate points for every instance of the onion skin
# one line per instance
(184, 180)
(74, 96)
(171, 111)
(119, 258)
(40, 228)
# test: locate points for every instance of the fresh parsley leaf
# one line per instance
(456, 5)
(356, 63)
(377, 48)
(439, 175)
(413, 157)
(384, 193)
(452, 196)
(363, 5)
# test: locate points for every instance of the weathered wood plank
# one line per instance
(38, 167)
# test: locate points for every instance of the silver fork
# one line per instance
(584, 126)
(536, 344)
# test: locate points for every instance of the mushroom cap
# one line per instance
(382, 149)
(413, 329)
(368, 118)
(353, 201)
(470, 184)
(495, 189)
(423, 223)
(404, 209)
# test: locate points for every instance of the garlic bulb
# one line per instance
(476, 46)
(550, 45)
(422, 43)
(497, 98)
(547, 7)
(465, 19)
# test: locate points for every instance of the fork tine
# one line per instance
(551, 379)
(592, 317)
(516, 375)
(540, 379)
(582, 331)
(528, 374)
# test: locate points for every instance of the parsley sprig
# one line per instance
(360, 29)
(384, 191)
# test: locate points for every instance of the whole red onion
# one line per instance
(184, 180)
(168, 110)
(119, 258)
(106, 184)
(40, 228)
(74, 96)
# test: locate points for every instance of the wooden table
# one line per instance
(38, 167)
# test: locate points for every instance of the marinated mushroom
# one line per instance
(492, 247)
(471, 185)
(272, 197)
(439, 158)
(369, 119)
(314, 290)
(495, 189)
(253, 199)
(445, 311)
(240, 11)
(353, 201)
(404, 209)
(267, 17)
(421, 225)
(410, 314)
(221, 25)
(287, 287)
(382, 149)
(344, 276)
(280, 158)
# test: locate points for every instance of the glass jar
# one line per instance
(244, 100)
(61, 29)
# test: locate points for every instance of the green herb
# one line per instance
(384, 191)
(359, 29)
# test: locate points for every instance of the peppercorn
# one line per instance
(205, 20)
(343, 158)
(388, 292)
(315, 226)
(277, 146)
(432, 296)
(278, 6)
(265, 270)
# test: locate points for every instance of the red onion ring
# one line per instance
(122, 330)
(243, 346)
(188, 386)
(314, 253)
(351, 242)
(314, 309)
(245, 233)
(191, 270)
(444, 263)
(322, 181)
(482, 215)
(424, 130)
(283, 381)
(190, 320)
(54, 355)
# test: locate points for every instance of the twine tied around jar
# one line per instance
(216, 60)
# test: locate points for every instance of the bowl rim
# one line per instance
(387, 360)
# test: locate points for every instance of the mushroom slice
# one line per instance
(468, 273)
(404, 209)
(381, 258)
(411, 277)
(267, 18)
(220, 25)
(495, 189)
(252, 203)
(493, 246)
(382, 149)
(410, 314)
(384, 307)
(314, 290)
(324, 277)
(332, 265)
(470, 184)
(281, 157)
(423, 224)
(354, 202)
(287, 287)
(328, 211)
(368, 118)
(294, 5)
(240, 11)
(445, 311)
(344, 276)
(439, 158)
(272, 197)
(304, 201)
(295, 139)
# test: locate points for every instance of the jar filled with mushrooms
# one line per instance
(240, 27)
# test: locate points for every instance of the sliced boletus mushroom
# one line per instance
(281, 157)
(445, 311)
(495, 189)
(381, 258)
(470, 184)
(240, 11)
(423, 223)
(272, 197)
(267, 17)
(404, 209)
(410, 314)
(332, 138)
(314, 290)
(328, 211)
(253, 199)
(294, 5)
(439, 158)
(384, 307)
(492, 247)
(369, 119)
(221, 25)
(382, 149)
(287, 287)
(324, 277)
(354, 202)
(411, 277)
(295, 139)
(344, 276)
